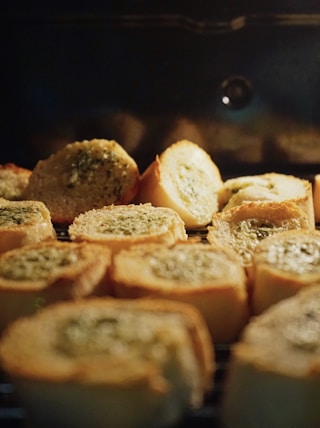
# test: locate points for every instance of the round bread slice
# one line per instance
(82, 176)
(210, 278)
(282, 265)
(268, 187)
(109, 363)
(24, 223)
(243, 227)
(119, 226)
(274, 371)
(37, 275)
(183, 178)
(13, 181)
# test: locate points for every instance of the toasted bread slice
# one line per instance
(244, 226)
(282, 265)
(271, 186)
(119, 226)
(146, 362)
(13, 181)
(82, 176)
(274, 371)
(183, 178)
(210, 278)
(37, 275)
(24, 223)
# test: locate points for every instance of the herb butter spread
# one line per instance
(141, 334)
(288, 332)
(86, 162)
(188, 265)
(248, 233)
(303, 331)
(139, 220)
(296, 255)
(16, 215)
(181, 265)
(36, 264)
(191, 183)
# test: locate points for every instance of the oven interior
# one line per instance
(241, 80)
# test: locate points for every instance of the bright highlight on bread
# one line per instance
(184, 178)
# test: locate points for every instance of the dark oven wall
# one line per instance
(243, 82)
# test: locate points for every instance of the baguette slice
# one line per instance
(274, 371)
(210, 278)
(36, 275)
(110, 363)
(183, 178)
(82, 176)
(24, 223)
(282, 265)
(119, 226)
(13, 181)
(268, 187)
(243, 227)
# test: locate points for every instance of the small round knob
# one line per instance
(236, 92)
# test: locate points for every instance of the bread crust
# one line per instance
(41, 274)
(270, 186)
(24, 223)
(244, 226)
(84, 175)
(274, 372)
(282, 265)
(316, 197)
(209, 278)
(183, 177)
(119, 226)
(13, 181)
(153, 388)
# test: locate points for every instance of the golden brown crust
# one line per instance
(119, 226)
(183, 177)
(270, 186)
(207, 277)
(13, 181)
(84, 175)
(37, 275)
(24, 223)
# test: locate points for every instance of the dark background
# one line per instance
(148, 72)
